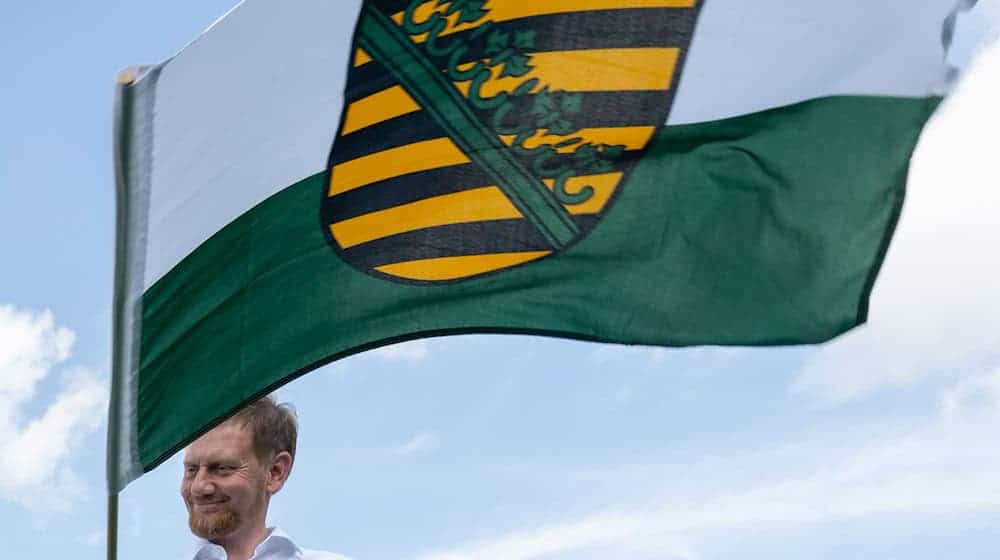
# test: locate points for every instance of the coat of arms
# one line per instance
(481, 135)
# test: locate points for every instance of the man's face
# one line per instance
(224, 485)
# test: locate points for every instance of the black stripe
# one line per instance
(596, 29)
(367, 79)
(600, 29)
(418, 186)
(393, 133)
(479, 238)
(600, 109)
(391, 7)
(403, 190)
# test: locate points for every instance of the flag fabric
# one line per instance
(313, 178)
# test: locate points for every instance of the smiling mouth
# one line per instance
(208, 507)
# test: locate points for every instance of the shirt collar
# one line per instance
(277, 541)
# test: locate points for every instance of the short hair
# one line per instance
(273, 427)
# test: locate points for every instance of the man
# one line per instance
(230, 474)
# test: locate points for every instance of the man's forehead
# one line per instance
(228, 438)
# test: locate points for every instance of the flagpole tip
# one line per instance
(127, 77)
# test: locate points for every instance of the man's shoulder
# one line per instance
(321, 555)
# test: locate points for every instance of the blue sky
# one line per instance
(879, 445)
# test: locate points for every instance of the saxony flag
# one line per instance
(313, 178)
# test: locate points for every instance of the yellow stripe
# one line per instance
(505, 10)
(573, 71)
(592, 70)
(361, 57)
(475, 205)
(379, 107)
(411, 158)
(632, 137)
(450, 268)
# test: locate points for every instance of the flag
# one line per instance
(313, 178)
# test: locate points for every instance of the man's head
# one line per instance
(231, 472)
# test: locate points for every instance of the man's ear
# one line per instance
(277, 473)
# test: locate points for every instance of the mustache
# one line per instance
(207, 501)
(191, 503)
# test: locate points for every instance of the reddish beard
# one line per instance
(212, 526)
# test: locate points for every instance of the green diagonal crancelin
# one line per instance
(387, 44)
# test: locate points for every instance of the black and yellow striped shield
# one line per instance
(480, 135)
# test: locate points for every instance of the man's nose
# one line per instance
(202, 483)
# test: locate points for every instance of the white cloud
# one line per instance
(935, 310)
(947, 466)
(30, 345)
(412, 352)
(420, 442)
(35, 452)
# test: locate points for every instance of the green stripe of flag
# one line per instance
(762, 229)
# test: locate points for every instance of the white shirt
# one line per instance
(277, 546)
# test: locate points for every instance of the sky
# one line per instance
(879, 445)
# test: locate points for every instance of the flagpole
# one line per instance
(113, 527)
(122, 127)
